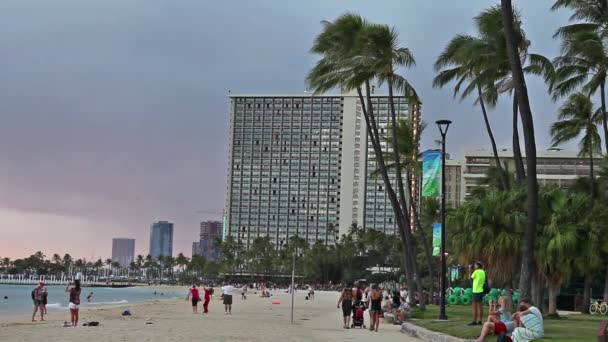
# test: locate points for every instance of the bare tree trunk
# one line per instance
(520, 172)
(586, 293)
(501, 171)
(527, 260)
(553, 293)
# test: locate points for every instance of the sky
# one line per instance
(114, 114)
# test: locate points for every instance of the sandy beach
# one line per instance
(254, 319)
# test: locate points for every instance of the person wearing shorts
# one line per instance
(194, 294)
(37, 300)
(227, 294)
(74, 301)
(479, 278)
(346, 300)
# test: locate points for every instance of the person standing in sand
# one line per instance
(375, 307)
(37, 299)
(74, 301)
(346, 299)
(195, 298)
(208, 292)
(227, 290)
(45, 297)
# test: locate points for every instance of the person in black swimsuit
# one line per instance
(375, 307)
(346, 299)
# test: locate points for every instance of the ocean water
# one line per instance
(19, 299)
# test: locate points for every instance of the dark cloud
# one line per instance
(115, 112)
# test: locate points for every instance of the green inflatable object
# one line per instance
(457, 291)
(453, 300)
(486, 300)
(465, 300)
(468, 291)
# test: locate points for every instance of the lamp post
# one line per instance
(443, 129)
(293, 279)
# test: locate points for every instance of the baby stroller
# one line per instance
(358, 316)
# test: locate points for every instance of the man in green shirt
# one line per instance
(479, 278)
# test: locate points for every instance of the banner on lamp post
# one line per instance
(431, 173)
(436, 238)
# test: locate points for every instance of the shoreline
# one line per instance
(171, 319)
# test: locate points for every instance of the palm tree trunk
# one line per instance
(591, 179)
(372, 129)
(399, 176)
(606, 285)
(520, 172)
(586, 293)
(604, 119)
(527, 259)
(553, 293)
(425, 242)
(501, 172)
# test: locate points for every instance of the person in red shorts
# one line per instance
(208, 292)
(194, 294)
(499, 320)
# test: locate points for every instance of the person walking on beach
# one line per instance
(479, 278)
(375, 308)
(227, 290)
(346, 299)
(244, 292)
(45, 297)
(208, 292)
(74, 301)
(195, 298)
(37, 299)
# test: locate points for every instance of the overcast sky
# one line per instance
(114, 113)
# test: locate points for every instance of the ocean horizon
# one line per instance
(18, 299)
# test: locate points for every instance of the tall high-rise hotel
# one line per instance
(302, 165)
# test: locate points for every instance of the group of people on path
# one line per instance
(40, 300)
(524, 325)
(359, 294)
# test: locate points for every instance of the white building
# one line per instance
(299, 166)
(554, 167)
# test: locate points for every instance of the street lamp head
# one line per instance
(443, 126)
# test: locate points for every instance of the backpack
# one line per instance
(486, 287)
(34, 294)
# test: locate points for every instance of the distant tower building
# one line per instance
(210, 231)
(161, 239)
(123, 251)
(196, 248)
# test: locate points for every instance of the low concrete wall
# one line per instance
(427, 335)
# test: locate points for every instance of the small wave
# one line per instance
(54, 305)
(124, 301)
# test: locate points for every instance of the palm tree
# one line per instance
(355, 53)
(98, 265)
(181, 261)
(490, 227)
(585, 60)
(463, 60)
(519, 82)
(108, 263)
(408, 152)
(561, 217)
(578, 118)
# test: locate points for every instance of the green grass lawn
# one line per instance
(572, 328)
